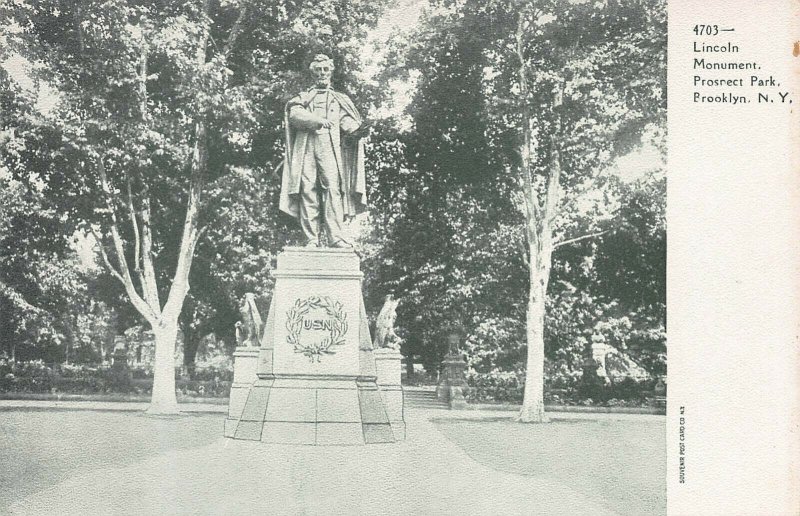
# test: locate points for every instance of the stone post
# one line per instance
(245, 367)
(388, 368)
(599, 352)
(120, 360)
(593, 381)
(451, 386)
(122, 373)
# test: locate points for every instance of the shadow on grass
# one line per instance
(39, 448)
(619, 463)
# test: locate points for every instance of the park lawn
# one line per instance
(618, 462)
(41, 448)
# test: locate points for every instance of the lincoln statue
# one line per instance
(323, 182)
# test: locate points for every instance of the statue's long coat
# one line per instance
(349, 157)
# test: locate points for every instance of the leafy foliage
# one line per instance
(132, 81)
(174, 103)
(450, 240)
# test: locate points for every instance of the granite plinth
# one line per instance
(316, 373)
(451, 387)
(245, 364)
(388, 368)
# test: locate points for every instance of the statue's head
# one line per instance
(322, 68)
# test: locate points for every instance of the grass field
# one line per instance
(471, 462)
(620, 463)
(39, 448)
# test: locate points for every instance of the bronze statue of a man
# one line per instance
(323, 181)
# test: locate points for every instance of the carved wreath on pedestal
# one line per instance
(295, 322)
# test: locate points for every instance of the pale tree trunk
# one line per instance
(542, 206)
(163, 399)
(533, 399)
(540, 256)
(533, 396)
(539, 220)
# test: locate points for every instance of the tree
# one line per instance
(36, 266)
(155, 102)
(17, 288)
(438, 196)
(585, 44)
(44, 301)
(520, 111)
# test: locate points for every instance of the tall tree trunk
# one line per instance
(533, 398)
(539, 221)
(108, 340)
(190, 345)
(191, 340)
(163, 400)
(69, 341)
(540, 259)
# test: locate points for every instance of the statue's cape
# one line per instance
(349, 156)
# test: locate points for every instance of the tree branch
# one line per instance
(109, 199)
(180, 280)
(143, 80)
(553, 187)
(18, 299)
(150, 287)
(578, 239)
(144, 261)
(103, 254)
(523, 246)
(554, 180)
(79, 27)
(134, 223)
(532, 208)
(235, 30)
(123, 273)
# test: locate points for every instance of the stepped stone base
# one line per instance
(317, 411)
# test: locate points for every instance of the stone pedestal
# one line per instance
(599, 351)
(316, 370)
(388, 368)
(120, 360)
(245, 365)
(451, 386)
(120, 369)
(592, 385)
